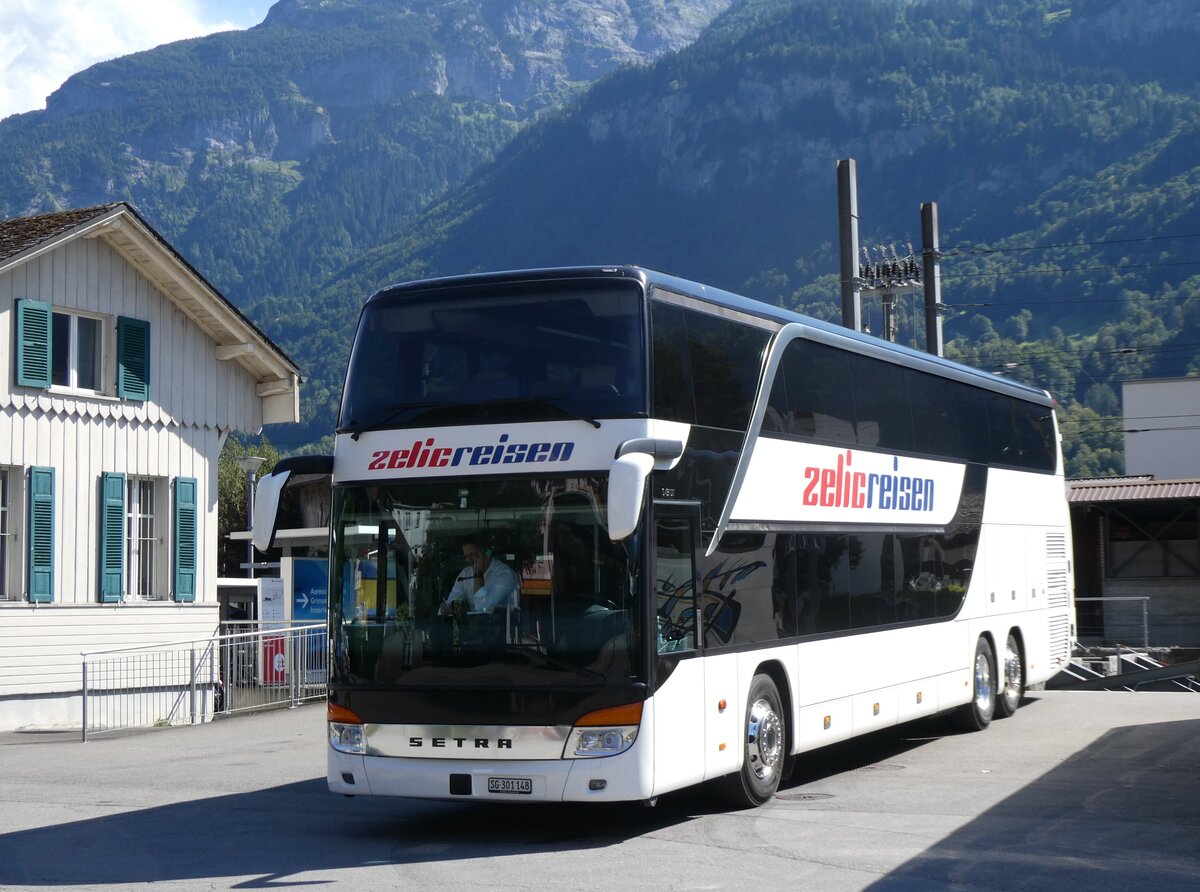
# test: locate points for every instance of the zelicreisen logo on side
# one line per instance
(840, 486)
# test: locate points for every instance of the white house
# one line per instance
(124, 372)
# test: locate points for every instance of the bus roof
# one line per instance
(727, 299)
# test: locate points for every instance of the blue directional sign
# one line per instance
(310, 590)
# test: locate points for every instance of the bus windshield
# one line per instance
(501, 583)
(527, 351)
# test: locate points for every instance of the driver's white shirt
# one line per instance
(500, 586)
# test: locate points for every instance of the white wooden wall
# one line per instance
(195, 400)
(80, 450)
(188, 385)
(40, 646)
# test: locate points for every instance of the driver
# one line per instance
(486, 582)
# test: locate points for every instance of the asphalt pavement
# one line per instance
(1079, 790)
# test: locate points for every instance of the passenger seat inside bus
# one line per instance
(579, 636)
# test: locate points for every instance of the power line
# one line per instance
(1089, 300)
(1075, 269)
(1086, 352)
(963, 252)
(1117, 419)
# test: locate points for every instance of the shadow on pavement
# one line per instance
(1123, 813)
(275, 835)
(272, 837)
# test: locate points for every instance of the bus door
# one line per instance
(678, 671)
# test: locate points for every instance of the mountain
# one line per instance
(1031, 124)
(272, 156)
(346, 144)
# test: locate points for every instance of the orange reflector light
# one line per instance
(721, 705)
(629, 714)
(828, 722)
(341, 714)
(722, 747)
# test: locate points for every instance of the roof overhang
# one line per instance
(237, 338)
(1086, 492)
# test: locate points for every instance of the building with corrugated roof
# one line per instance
(1137, 546)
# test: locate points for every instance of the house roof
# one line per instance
(21, 233)
(1130, 489)
(118, 223)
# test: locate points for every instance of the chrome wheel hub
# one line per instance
(764, 740)
(1012, 674)
(983, 682)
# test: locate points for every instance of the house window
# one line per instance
(142, 540)
(76, 351)
(57, 347)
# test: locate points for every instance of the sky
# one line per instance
(43, 42)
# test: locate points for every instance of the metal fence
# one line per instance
(1119, 621)
(250, 666)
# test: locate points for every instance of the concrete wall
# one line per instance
(1160, 413)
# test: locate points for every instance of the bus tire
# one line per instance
(1012, 683)
(765, 743)
(977, 715)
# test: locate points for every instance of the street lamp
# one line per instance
(250, 465)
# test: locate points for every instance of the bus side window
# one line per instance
(881, 404)
(820, 401)
(725, 358)
(674, 584)
(673, 398)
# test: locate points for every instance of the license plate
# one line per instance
(510, 785)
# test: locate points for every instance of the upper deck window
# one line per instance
(510, 352)
(706, 368)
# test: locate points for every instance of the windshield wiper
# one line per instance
(356, 430)
(544, 403)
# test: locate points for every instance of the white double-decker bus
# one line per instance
(601, 533)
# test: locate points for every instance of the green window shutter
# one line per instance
(133, 359)
(185, 539)
(112, 537)
(41, 535)
(34, 343)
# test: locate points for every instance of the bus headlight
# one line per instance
(604, 732)
(346, 733)
(347, 738)
(586, 743)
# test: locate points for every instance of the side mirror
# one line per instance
(626, 492)
(269, 493)
(627, 480)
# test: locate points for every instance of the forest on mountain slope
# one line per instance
(270, 157)
(1058, 141)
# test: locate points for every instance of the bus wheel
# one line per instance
(766, 752)
(1014, 680)
(977, 715)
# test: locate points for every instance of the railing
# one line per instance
(255, 666)
(1122, 626)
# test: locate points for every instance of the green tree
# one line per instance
(232, 502)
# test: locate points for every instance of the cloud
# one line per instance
(43, 42)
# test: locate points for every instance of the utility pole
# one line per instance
(931, 257)
(847, 174)
(888, 276)
(250, 465)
